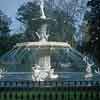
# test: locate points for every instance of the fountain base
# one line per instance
(88, 75)
(40, 74)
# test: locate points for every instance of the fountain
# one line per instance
(33, 60)
(43, 69)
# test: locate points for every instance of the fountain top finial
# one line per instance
(42, 9)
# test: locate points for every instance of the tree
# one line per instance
(4, 32)
(61, 30)
(7, 42)
(93, 45)
(4, 24)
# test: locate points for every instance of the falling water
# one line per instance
(80, 11)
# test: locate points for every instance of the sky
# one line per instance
(9, 7)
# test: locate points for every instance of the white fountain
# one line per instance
(23, 55)
(42, 70)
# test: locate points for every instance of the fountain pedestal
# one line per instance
(42, 70)
(44, 59)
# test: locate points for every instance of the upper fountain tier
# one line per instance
(42, 35)
(43, 17)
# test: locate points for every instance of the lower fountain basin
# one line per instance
(65, 76)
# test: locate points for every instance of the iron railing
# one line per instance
(50, 90)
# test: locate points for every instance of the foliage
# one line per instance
(93, 45)
(4, 24)
(7, 43)
(4, 32)
(61, 30)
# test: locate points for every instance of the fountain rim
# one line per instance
(44, 44)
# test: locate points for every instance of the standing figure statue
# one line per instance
(38, 74)
(89, 73)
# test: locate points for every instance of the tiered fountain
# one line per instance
(33, 60)
(43, 69)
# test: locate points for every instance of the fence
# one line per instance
(50, 90)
